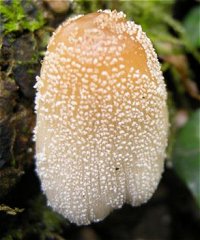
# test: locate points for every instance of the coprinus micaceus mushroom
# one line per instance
(102, 118)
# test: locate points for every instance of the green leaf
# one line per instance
(192, 26)
(186, 155)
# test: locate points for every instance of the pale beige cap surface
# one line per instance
(58, 6)
(102, 118)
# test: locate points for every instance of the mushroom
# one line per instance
(102, 119)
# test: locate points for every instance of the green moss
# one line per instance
(14, 17)
(41, 222)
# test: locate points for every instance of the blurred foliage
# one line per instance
(192, 26)
(15, 18)
(186, 154)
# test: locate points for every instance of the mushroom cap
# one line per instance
(102, 119)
